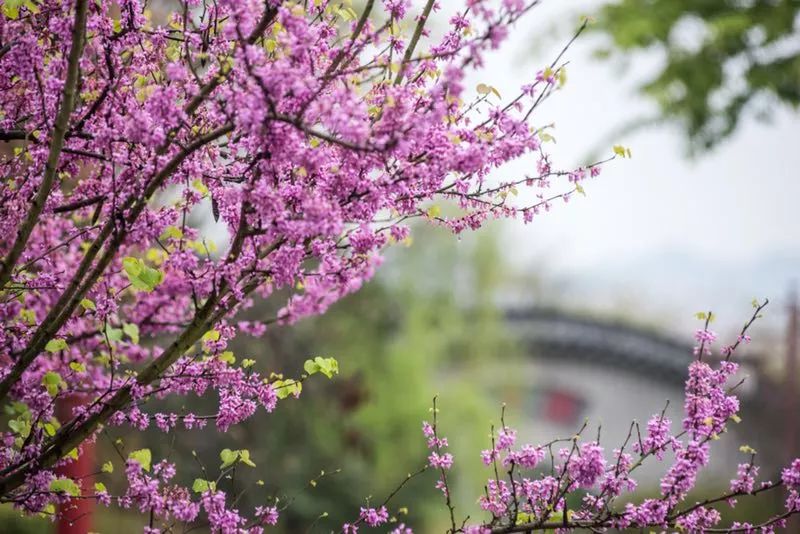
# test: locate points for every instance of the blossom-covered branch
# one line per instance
(303, 134)
(528, 498)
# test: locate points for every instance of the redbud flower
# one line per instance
(374, 517)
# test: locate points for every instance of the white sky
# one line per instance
(659, 231)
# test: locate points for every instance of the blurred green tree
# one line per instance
(722, 58)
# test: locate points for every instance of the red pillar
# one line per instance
(75, 516)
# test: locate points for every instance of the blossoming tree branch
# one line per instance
(530, 486)
(313, 134)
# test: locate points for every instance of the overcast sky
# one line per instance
(661, 232)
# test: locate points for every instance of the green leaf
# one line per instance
(141, 276)
(434, 211)
(310, 367)
(172, 232)
(247, 363)
(556, 516)
(151, 278)
(65, 485)
(20, 426)
(546, 137)
(132, 331)
(108, 467)
(523, 517)
(562, 76)
(622, 152)
(99, 487)
(78, 367)
(19, 407)
(88, 304)
(227, 357)
(72, 454)
(284, 388)
(143, 457)
(484, 89)
(244, 457)
(200, 187)
(32, 7)
(29, 316)
(228, 458)
(11, 8)
(52, 381)
(51, 378)
(326, 366)
(113, 334)
(55, 345)
(132, 266)
(211, 335)
(201, 486)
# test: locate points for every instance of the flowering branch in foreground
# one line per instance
(311, 135)
(519, 500)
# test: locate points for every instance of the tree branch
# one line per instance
(423, 19)
(72, 435)
(78, 204)
(56, 144)
(82, 282)
(15, 135)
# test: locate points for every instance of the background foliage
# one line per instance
(723, 59)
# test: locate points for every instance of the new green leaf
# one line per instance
(141, 276)
(143, 457)
(228, 458)
(65, 485)
(201, 486)
(55, 345)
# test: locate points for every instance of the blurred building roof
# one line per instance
(549, 333)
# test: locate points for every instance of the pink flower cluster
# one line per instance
(438, 459)
(520, 500)
(374, 517)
